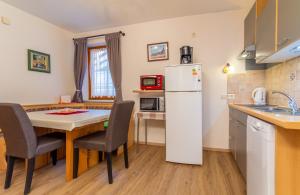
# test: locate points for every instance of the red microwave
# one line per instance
(152, 82)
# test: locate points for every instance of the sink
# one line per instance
(273, 109)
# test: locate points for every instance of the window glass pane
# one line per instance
(101, 82)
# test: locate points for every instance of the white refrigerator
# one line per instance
(183, 93)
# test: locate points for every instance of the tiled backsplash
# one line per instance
(283, 77)
(243, 84)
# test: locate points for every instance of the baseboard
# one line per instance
(152, 143)
(216, 149)
(204, 148)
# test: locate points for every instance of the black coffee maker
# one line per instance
(186, 55)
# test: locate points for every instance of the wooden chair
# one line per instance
(22, 142)
(108, 141)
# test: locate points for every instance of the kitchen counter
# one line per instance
(281, 120)
(287, 148)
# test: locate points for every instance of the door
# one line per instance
(184, 127)
(232, 134)
(249, 27)
(288, 22)
(265, 33)
(149, 104)
(241, 148)
(260, 158)
(183, 78)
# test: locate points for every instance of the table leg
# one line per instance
(69, 156)
(146, 131)
(138, 134)
(2, 154)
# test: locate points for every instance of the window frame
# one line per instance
(89, 77)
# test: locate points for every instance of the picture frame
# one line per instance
(38, 61)
(158, 51)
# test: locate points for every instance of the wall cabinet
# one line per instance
(238, 139)
(260, 5)
(249, 28)
(288, 22)
(277, 30)
(266, 30)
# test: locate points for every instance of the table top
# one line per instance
(67, 122)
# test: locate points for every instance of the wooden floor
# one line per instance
(148, 173)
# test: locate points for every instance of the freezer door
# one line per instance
(184, 127)
(183, 78)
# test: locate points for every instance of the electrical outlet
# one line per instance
(228, 97)
(292, 76)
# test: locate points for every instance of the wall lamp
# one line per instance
(228, 68)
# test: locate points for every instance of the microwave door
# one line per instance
(149, 82)
(148, 104)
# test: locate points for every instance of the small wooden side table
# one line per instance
(147, 116)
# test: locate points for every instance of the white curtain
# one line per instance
(101, 82)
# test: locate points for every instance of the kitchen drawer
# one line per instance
(239, 116)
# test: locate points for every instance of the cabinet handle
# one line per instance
(239, 123)
(283, 42)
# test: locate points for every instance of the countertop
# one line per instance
(281, 120)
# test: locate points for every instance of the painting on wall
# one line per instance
(38, 61)
(158, 51)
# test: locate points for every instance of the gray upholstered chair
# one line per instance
(109, 140)
(22, 142)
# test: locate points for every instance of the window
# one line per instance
(101, 86)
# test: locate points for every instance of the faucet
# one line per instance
(292, 102)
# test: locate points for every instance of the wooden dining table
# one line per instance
(77, 124)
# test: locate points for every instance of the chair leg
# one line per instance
(30, 169)
(126, 155)
(54, 157)
(9, 171)
(109, 167)
(100, 153)
(75, 162)
(115, 152)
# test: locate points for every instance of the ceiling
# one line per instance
(87, 15)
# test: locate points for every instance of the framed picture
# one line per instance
(38, 61)
(158, 51)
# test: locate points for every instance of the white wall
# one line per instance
(26, 31)
(218, 39)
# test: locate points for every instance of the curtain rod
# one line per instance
(122, 33)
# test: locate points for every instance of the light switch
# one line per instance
(5, 20)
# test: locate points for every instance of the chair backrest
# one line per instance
(117, 130)
(19, 135)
